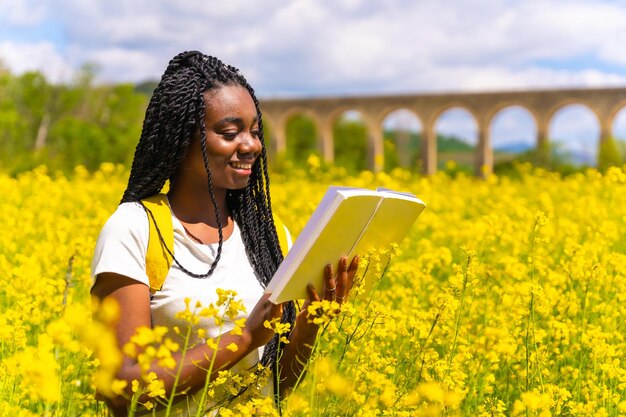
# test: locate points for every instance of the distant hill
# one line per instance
(518, 146)
(444, 143)
(578, 157)
(414, 137)
(453, 144)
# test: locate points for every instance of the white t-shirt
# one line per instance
(121, 249)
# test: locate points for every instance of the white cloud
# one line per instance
(42, 56)
(481, 78)
(351, 46)
(135, 64)
(21, 12)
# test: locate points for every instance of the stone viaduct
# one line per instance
(605, 103)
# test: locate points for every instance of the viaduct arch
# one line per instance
(605, 103)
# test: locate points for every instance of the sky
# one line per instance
(335, 47)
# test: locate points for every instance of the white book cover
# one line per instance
(347, 222)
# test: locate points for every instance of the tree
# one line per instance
(62, 125)
(402, 148)
(350, 137)
(32, 95)
(301, 137)
(609, 154)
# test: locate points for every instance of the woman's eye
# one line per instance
(255, 133)
(230, 135)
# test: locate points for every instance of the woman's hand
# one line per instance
(335, 289)
(255, 332)
(296, 354)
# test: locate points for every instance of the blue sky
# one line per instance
(324, 47)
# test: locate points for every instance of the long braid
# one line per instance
(218, 218)
(259, 190)
(174, 115)
(169, 124)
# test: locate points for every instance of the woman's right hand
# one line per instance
(133, 299)
(255, 333)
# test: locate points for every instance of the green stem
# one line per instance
(422, 351)
(527, 340)
(133, 403)
(170, 401)
(351, 336)
(458, 315)
(205, 389)
(583, 326)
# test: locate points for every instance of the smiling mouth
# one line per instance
(241, 165)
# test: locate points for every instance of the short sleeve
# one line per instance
(122, 244)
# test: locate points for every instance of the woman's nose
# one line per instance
(249, 143)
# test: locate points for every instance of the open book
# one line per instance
(348, 221)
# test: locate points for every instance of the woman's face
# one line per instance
(232, 139)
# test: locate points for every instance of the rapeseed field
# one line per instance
(507, 298)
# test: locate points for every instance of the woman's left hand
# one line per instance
(302, 338)
(335, 288)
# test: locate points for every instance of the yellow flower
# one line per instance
(276, 325)
(38, 372)
(321, 312)
(296, 403)
(154, 386)
(118, 386)
(545, 287)
(148, 405)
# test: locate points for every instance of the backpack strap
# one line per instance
(158, 257)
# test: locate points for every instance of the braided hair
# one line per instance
(175, 113)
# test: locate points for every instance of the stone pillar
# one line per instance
(543, 142)
(542, 131)
(606, 122)
(326, 140)
(605, 157)
(484, 152)
(429, 147)
(375, 146)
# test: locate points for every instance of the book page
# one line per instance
(390, 224)
(393, 220)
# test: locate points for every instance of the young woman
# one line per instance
(203, 132)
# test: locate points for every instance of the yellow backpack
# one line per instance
(158, 257)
